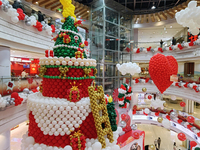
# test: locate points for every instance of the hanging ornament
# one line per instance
(76, 38)
(182, 104)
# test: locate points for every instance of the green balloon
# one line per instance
(197, 148)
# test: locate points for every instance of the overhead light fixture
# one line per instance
(79, 16)
(153, 7)
(165, 31)
(36, 2)
(88, 11)
(170, 26)
(175, 10)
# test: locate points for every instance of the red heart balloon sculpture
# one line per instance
(161, 67)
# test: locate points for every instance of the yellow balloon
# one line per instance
(165, 104)
(144, 89)
(160, 119)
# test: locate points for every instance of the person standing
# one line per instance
(161, 43)
(173, 41)
(40, 16)
(33, 13)
(159, 142)
(24, 74)
(174, 147)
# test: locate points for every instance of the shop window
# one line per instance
(189, 69)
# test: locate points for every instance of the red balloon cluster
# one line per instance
(53, 28)
(179, 121)
(191, 43)
(161, 67)
(87, 128)
(149, 49)
(123, 116)
(18, 99)
(168, 117)
(193, 144)
(1, 3)
(21, 14)
(180, 46)
(38, 26)
(149, 97)
(160, 49)
(182, 104)
(49, 53)
(75, 142)
(136, 135)
(181, 136)
(190, 119)
(86, 43)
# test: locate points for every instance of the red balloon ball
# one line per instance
(149, 97)
(15, 95)
(181, 136)
(193, 144)
(182, 104)
(123, 116)
(136, 135)
(190, 119)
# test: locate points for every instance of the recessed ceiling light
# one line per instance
(36, 2)
(88, 11)
(79, 16)
(175, 10)
(153, 7)
(170, 26)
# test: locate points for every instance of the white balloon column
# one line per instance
(189, 17)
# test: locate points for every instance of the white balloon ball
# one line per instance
(15, 19)
(115, 147)
(64, 63)
(70, 63)
(96, 146)
(192, 4)
(61, 59)
(67, 147)
(30, 140)
(57, 62)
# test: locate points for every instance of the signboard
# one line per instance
(33, 69)
(174, 78)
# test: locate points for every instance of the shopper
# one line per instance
(24, 74)
(155, 142)
(33, 13)
(173, 41)
(159, 141)
(161, 43)
(40, 16)
(174, 147)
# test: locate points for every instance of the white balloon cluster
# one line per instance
(2, 102)
(189, 17)
(67, 61)
(13, 14)
(28, 143)
(56, 116)
(47, 28)
(166, 123)
(31, 20)
(130, 67)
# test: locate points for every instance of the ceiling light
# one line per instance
(165, 31)
(79, 16)
(88, 11)
(170, 26)
(175, 10)
(36, 2)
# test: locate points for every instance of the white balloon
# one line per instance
(195, 31)
(67, 147)
(192, 4)
(14, 19)
(96, 146)
(166, 123)
(146, 110)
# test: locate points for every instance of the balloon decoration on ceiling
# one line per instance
(189, 17)
(161, 68)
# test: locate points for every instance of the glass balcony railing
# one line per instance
(8, 85)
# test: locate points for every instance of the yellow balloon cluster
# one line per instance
(68, 8)
(98, 104)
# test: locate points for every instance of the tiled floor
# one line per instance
(16, 136)
(168, 138)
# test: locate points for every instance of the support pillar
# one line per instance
(134, 100)
(5, 140)
(5, 61)
(189, 107)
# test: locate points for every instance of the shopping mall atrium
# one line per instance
(99, 75)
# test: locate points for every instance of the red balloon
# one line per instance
(161, 67)
(190, 119)
(123, 116)
(181, 136)
(182, 104)
(193, 144)
(149, 97)
(136, 135)
(15, 95)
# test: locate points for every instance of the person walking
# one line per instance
(155, 142)
(173, 41)
(161, 43)
(159, 142)
(174, 147)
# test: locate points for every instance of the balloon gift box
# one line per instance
(132, 139)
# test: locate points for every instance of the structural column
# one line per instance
(134, 100)
(5, 61)
(5, 140)
(189, 107)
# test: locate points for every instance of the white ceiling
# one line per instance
(24, 54)
(155, 34)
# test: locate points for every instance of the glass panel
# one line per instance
(111, 29)
(125, 57)
(125, 34)
(108, 86)
(111, 56)
(111, 16)
(111, 43)
(110, 70)
(97, 15)
(97, 4)
(99, 81)
(125, 20)
(97, 43)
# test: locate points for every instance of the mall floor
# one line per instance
(151, 133)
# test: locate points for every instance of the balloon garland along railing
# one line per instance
(170, 48)
(180, 84)
(188, 121)
(17, 14)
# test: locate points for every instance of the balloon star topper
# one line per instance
(68, 8)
